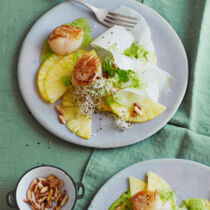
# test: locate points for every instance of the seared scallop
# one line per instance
(146, 200)
(65, 39)
(87, 68)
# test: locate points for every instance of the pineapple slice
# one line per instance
(149, 109)
(62, 69)
(104, 107)
(136, 185)
(155, 182)
(68, 100)
(47, 64)
(81, 125)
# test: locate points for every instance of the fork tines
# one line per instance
(119, 19)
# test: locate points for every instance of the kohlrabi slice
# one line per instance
(115, 39)
(123, 62)
(129, 96)
(141, 32)
(152, 76)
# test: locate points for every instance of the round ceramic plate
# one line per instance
(189, 179)
(171, 57)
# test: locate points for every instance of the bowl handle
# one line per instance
(80, 196)
(10, 197)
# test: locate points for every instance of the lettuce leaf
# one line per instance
(123, 202)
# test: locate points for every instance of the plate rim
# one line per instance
(157, 160)
(87, 143)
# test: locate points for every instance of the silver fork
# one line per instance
(109, 18)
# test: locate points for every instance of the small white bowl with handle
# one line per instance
(15, 197)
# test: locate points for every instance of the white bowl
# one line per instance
(23, 184)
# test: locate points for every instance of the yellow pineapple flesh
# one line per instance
(46, 65)
(149, 109)
(81, 125)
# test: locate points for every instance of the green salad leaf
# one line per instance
(168, 195)
(121, 78)
(194, 204)
(46, 51)
(83, 23)
(123, 202)
(108, 67)
(66, 81)
(123, 75)
(138, 52)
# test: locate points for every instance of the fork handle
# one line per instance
(94, 9)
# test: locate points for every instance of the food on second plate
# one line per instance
(195, 204)
(46, 193)
(116, 73)
(155, 194)
(65, 39)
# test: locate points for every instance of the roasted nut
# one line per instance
(49, 198)
(50, 204)
(53, 179)
(41, 179)
(64, 200)
(63, 194)
(60, 184)
(137, 109)
(26, 200)
(35, 189)
(42, 206)
(57, 208)
(29, 196)
(43, 194)
(52, 185)
(59, 109)
(61, 119)
(58, 197)
(33, 196)
(34, 204)
(32, 185)
(44, 189)
(55, 192)
(40, 185)
(42, 199)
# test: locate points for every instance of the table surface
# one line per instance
(23, 142)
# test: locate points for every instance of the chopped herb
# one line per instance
(66, 81)
(123, 75)
(75, 114)
(108, 67)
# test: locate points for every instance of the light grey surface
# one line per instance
(170, 56)
(189, 179)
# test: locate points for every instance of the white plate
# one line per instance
(189, 179)
(170, 55)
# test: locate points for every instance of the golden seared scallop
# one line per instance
(87, 68)
(146, 200)
(65, 39)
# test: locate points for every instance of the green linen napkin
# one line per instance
(187, 135)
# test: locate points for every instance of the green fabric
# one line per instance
(187, 135)
(17, 126)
